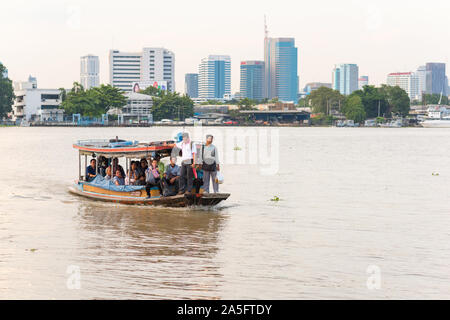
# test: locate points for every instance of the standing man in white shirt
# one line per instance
(188, 151)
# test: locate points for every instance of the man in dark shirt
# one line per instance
(91, 171)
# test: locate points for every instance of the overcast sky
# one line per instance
(46, 38)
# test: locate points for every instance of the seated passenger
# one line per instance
(102, 165)
(91, 171)
(172, 174)
(118, 179)
(143, 165)
(153, 178)
(117, 166)
(108, 175)
(133, 175)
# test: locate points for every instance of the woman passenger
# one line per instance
(118, 179)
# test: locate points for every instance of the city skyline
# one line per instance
(317, 29)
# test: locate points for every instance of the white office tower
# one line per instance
(151, 67)
(89, 71)
(124, 69)
(214, 79)
(158, 66)
(408, 81)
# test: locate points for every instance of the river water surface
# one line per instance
(363, 213)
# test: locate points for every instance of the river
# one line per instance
(364, 213)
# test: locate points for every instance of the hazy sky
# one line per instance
(47, 38)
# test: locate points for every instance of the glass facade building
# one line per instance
(436, 79)
(345, 78)
(281, 76)
(191, 84)
(252, 80)
(214, 80)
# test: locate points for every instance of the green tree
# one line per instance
(108, 97)
(246, 104)
(93, 102)
(397, 99)
(170, 105)
(434, 99)
(6, 93)
(152, 91)
(324, 99)
(354, 109)
(374, 101)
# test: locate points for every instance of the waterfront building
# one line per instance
(89, 71)
(311, 86)
(149, 66)
(363, 81)
(345, 78)
(191, 85)
(436, 82)
(214, 80)
(408, 81)
(138, 108)
(281, 76)
(252, 80)
(35, 104)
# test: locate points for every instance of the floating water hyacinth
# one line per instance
(435, 174)
(275, 198)
(237, 148)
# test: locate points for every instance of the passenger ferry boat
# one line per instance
(104, 190)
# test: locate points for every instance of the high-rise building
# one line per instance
(152, 66)
(252, 80)
(158, 64)
(89, 71)
(408, 81)
(363, 81)
(436, 78)
(191, 84)
(281, 77)
(214, 80)
(345, 78)
(422, 75)
(124, 69)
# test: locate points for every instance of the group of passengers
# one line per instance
(177, 179)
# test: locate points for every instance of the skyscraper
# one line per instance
(345, 78)
(436, 78)
(408, 81)
(363, 81)
(252, 80)
(191, 84)
(89, 71)
(214, 80)
(280, 63)
(422, 75)
(281, 77)
(151, 66)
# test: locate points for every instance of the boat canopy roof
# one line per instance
(124, 148)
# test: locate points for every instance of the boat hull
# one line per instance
(139, 198)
